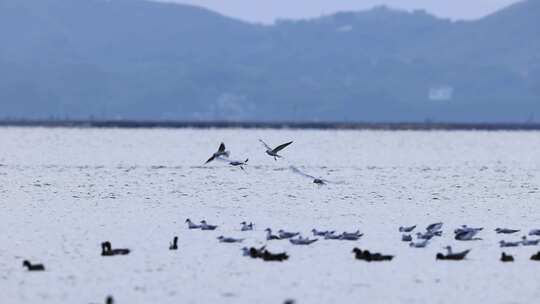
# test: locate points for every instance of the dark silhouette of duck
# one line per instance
(366, 255)
(106, 250)
(274, 152)
(452, 256)
(174, 244)
(219, 153)
(506, 257)
(33, 267)
(265, 255)
(536, 256)
(109, 300)
(274, 257)
(254, 252)
(248, 252)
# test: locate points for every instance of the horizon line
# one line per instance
(300, 125)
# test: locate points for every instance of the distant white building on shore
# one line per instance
(441, 93)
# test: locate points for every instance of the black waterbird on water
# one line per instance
(366, 255)
(174, 244)
(33, 267)
(536, 256)
(452, 256)
(106, 250)
(506, 257)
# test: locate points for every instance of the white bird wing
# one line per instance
(265, 145)
(227, 160)
(297, 171)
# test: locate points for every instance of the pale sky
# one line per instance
(266, 11)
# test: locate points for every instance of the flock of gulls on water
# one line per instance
(463, 233)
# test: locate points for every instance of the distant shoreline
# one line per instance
(269, 125)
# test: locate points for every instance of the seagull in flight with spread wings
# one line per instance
(274, 152)
(316, 180)
(220, 153)
(234, 163)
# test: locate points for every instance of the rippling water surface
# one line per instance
(64, 191)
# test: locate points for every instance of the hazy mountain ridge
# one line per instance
(146, 60)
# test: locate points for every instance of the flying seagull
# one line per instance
(274, 152)
(234, 163)
(220, 152)
(318, 181)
